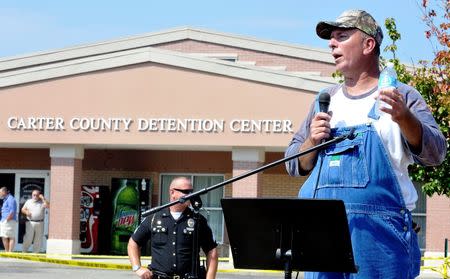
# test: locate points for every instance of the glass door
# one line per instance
(25, 183)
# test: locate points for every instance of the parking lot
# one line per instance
(15, 269)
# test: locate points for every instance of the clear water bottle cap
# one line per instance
(390, 65)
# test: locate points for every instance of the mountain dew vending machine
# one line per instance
(130, 197)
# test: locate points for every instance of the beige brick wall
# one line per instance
(438, 223)
(250, 186)
(281, 185)
(65, 214)
(274, 185)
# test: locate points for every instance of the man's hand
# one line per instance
(319, 128)
(134, 253)
(144, 273)
(400, 114)
(392, 97)
(26, 212)
(10, 216)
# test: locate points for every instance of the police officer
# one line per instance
(171, 234)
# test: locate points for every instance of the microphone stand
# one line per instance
(196, 195)
(196, 203)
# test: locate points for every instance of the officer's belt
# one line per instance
(161, 275)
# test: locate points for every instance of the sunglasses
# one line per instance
(184, 191)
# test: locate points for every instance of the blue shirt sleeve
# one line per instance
(293, 166)
(9, 206)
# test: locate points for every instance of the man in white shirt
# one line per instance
(34, 210)
(368, 171)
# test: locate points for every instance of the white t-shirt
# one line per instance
(388, 130)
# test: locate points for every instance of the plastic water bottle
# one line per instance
(387, 79)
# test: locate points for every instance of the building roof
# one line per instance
(82, 59)
(161, 37)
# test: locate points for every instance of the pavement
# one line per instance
(12, 268)
(15, 268)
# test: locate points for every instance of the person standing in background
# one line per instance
(34, 210)
(8, 222)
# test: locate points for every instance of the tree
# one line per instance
(432, 80)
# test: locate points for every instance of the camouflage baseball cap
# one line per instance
(359, 19)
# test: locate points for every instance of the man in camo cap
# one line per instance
(351, 19)
(369, 171)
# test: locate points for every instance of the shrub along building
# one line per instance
(188, 102)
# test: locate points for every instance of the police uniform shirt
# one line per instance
(171, 240)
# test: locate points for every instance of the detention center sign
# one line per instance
(153, 125)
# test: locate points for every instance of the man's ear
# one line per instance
(369, 45)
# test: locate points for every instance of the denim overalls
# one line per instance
(359, 172)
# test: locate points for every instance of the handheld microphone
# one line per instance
(324, 102)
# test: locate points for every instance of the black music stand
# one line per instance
(289, 234)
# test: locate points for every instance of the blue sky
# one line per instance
(31, 26)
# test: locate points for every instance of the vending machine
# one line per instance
(95, 219)
(130, 196)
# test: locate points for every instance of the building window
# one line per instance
(211, 208)
(419, 215)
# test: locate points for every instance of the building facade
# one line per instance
(188, 102)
